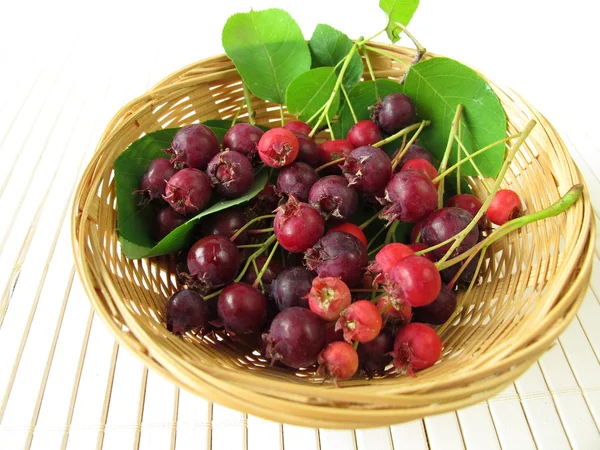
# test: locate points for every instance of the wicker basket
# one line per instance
(534, 279)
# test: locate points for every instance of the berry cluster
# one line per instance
(292, 268)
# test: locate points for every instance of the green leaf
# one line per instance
(310, 90)
(226, 124)
(328, 47)
(438, 86)
(268, 50)
(398, 11)
(134, 224)
(362, 97)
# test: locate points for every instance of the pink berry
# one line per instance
(415, 280)
(394, 311)
(417, 347)
(278, 147)
(505, 206)
(297, 226)
(364, 132)
(296, 126)
(390, 254)
(352, 229)
(361, 321)
(328, 297)
(423, 166)
(338, 361)
(188, 191)
(336, 149)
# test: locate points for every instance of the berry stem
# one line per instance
(464, 265)
(330, 163)
(249, 246)
(362, 41)
(474, 164)
(237, 114)
(371, 72)
(355, 345)
(401, 133)
(214, 294)
(564, 203)
(420, 49)
(374, 238)
(256, 271)
(265, 265)
(511, 154)
(369, 221)
(391, 234)
(255, 255)
(458, 157)
(349, 103)
(315, 115)
(471, 156)
(281, 115)
(260, 231)
(387, 55)
(376, 249)
(406, 145)
(367, 290)
(256, 219)
(335, 90)
(444, 163)
(329, 127)
(248, 104)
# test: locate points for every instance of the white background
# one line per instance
(66, 68)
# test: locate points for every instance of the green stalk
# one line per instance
(402, 132)
(256, 272)
(458, 155)
(248, 104)
(369, 221)
(253, 256)
(349, 104)
(371, 72)
(281, 115)
(386, 54)
(379, 233)
(330, 163)
(412, 140)
(475, 166)
(256, 219)
(391, 234)
(329, 127)
(237, 114)
(444, 163)
(265, 265)
(511, 154)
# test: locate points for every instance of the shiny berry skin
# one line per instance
(415, 151)
(466, 276)
(352, 229)
(390, 254)
(295, 338)
(297, 179)
(394, 311)
(415, 280)
(226, 223)
(396, 111)
(265, 201)
(271, 272)
(423, 166)
(410, 197)
(188, 191)
(439, 311)
(338, 361)
(291, 287)
(445, 223)
(506, 205)
(242, 308)
(185, 311)
(333, 198)
(336, 149)
(374, 355)
(367, 168)
(361, 321)
(328, 297)
(364, 132)
(155, 178)
(419, 246)
(278, 147)
(242, 138)
(296, 126)
(469, 203)
(231, 174)
(166, 221)
(297, 226)
(193, 146)
(308, 150)
(417, 347)
(339, 255)
(213, 261)
(415, 233)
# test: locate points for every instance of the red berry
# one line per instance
(296, 126)
(339, 361)
(364, 132)
(212, 261)
(188, 191)
(390, 254)
(469, 203)
(242, 308)
(417, 347)
(332, 150)
(394, 311)
(505, 206)
(361, 321)
(423, 166)
(297, 226)
(328, 297)
(352, 229)
(419, 246)
(278, 147)
(415, 280)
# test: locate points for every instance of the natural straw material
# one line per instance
(533, 280)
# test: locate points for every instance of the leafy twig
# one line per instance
(420, 49)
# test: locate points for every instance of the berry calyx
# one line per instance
(278, 147)
(188, 191)
(328, 297)
(361, 321)
(338, 361)
(506, 205)
(417, 347)
(394, 311)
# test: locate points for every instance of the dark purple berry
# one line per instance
(231, 174)
(272, 270)
(226, 223)
(212, 261)
(410, 197)
(413, 152)
(297, 179)
(242, 308)
(374, 356)
(291, 287)
(444, 224)
(308, 150)
(188, 191)
(369, 169)
(193, 146)
(439, 311)
(186, 311)
(242, 138)
(155, 179)
(332, 197)
(396, 111)
(166, 221)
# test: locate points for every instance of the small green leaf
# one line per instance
(438, 86)
(226, 124)
(134, 224)
(398, 11)
(310, 90)
(268, 50)
(328, 47)
(362, 97)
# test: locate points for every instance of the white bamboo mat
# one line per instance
(65, 69)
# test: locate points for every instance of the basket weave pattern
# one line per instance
(533, 280)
